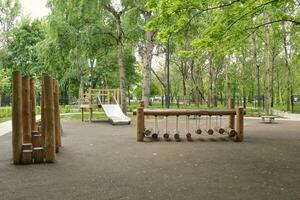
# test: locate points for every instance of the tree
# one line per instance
(9, 11)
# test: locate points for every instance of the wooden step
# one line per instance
(38, 155)
(27, 146)
(36, 139)
(26, 157)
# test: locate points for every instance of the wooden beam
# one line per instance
(240, 124)
(33, 105)
(43, 115)
(50, 122)
(231, 117)
(56, 115)
(26, 116)
(17, 129)
(140, 124)
(176, 112)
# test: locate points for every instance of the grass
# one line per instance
(4, 119)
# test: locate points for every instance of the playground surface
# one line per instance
(101, 161)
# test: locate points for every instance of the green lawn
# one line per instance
(4, 119)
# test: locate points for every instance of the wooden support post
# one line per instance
(56, 115)
(140, 120)
(90, 115)
(231, 117)
(90, 105)
(33, 105)
(82, 114)
(118, 96)
(240, 124)
(17, 128)
(26, 116)
(43, 118)
(49, 116)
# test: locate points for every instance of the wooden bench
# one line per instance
(270, 118)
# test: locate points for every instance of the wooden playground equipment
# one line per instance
(90, 100)
(235, 127)
(106, 99)
(35, 142)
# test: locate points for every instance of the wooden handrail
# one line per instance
(178, 112)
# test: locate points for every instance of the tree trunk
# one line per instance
(167, 67)
(267, 95)
(257, 71)
(287, 68)
(122, 74)
(210, 90)
(272, 77)
(119, 39)
(147, 61)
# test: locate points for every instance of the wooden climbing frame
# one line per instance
(35, 142)
(90, 100)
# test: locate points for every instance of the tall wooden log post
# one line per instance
(240, 124)
(140, 120)
(231, 117)
(17, 130)
(56, 115)
(26, 116)
(43, 118)
(33, 105)
(49, 119)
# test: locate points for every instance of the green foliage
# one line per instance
(22, 47)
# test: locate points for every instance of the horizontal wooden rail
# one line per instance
(178, 112)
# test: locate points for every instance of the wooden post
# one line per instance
(90, 105)
(33, 105)
(231, 117)
(118, 96)
(27, 153)
(57, 115)
(26, 116)
(82, 114)
(49, 116)
(240, 124)
(43, 118)
(140, 124)
(17, 129)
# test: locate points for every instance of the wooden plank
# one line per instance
(17, 130)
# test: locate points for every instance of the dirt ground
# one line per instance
(101, 161)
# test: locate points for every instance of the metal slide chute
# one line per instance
(113, 111)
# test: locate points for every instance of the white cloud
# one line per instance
(35, 8)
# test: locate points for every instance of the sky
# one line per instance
(34, 8)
